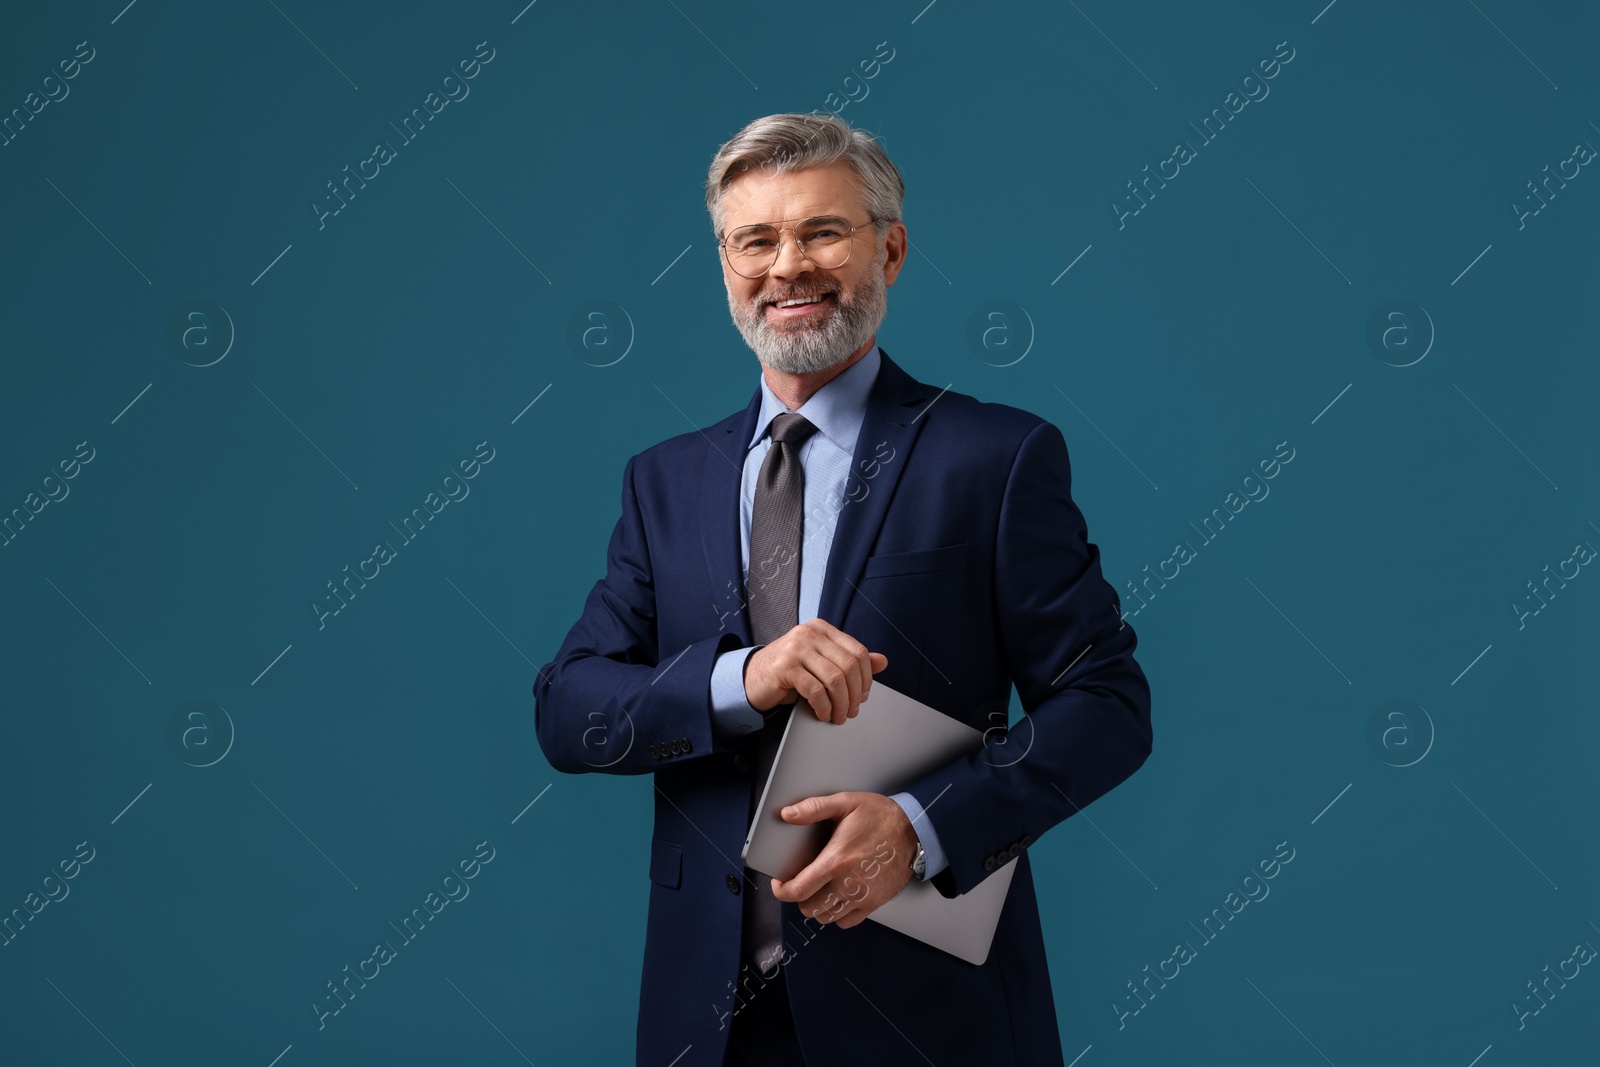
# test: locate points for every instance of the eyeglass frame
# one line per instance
(799, 246)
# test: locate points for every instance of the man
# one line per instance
(849, 523)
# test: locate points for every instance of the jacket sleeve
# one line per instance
(1070, 655)
(613, 700)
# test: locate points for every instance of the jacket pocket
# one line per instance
(666, 864)
(949, 557)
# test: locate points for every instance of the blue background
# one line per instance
(349, 766)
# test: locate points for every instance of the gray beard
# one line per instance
(807, 349)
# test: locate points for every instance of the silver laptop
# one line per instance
(892, 742)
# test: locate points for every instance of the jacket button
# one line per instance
(733, 883)
(1026, 840)
(686, 746)
(654, 753)
(988, 863)
(1012, 851)
(741, 763)
(675, 747)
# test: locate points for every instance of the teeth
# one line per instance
(797, 301)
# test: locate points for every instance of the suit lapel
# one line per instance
(720, 477)
(888, 432)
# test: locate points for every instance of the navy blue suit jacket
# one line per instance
(960, 555)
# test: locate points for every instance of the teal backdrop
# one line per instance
(1355, 243)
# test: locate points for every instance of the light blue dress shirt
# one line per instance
(837, 411)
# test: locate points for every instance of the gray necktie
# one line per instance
(777, 521)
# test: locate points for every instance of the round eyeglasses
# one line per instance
(825, 240)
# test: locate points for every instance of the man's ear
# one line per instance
(895, 245)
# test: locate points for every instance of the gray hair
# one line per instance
(778, 144)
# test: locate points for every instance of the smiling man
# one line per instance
(851, 523)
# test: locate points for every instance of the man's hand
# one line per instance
(815, 660)
(865, 863)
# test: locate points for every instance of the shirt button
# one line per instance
(741, 763)
(733, 883)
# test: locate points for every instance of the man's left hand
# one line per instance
(865, 864)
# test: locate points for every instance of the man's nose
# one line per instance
(790, 261)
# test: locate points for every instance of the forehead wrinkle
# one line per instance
(797, 220)
(821, 207)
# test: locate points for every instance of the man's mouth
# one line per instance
(793, 307)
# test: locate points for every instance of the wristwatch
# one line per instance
(919, 863)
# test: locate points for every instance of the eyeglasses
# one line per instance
(825, 240)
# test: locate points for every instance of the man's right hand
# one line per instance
(815, 660)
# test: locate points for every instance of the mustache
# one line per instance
(774, 298)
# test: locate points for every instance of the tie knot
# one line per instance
(791, 429)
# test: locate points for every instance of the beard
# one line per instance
(805, 345)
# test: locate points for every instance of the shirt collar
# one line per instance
(836, 410)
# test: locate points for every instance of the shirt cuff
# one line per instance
(932, 855)
(731, 713)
